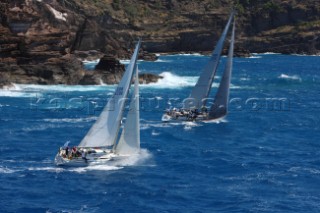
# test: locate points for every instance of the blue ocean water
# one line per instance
(263, 157)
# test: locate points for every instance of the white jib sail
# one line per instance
(129, 142)
(105, 130)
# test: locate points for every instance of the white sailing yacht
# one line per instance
(102, 143)
(194, 108)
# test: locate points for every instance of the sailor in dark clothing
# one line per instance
(67, 151)
(196, 111)
(204, 109)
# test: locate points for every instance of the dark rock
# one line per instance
(110, 64)
(241, 52)
(109, 70)
(146, 78)
(4, 80)
(91, 78)
(148, 56)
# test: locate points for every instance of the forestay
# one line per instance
(105, 130)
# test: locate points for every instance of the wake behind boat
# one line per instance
(102, 143)
(195, 108)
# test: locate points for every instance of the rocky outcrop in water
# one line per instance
(108, 71)
(146, 78)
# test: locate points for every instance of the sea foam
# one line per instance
(16, 91)
(133, 160)
(5, 170)
(171, 80)
(290, 77)
(163, 61)
(61, 88)
(70, 120)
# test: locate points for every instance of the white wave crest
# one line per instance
(157, 125)
(290, 77)
(133, 160)
(163, 61)
(173, 81)
(91, 62)
(70, 120)
(267, 53)
(49, 169)
(102, 83)
(40, 127)
(217, 121)
(154, 133)
(232, 86)
(254, 56)
(60, 88)
(17, 94)
(244, 79)
(127, 61)
(15, 91)
(124, 61)
(190, 54)
(5, 170)
(188, 125)
(94, 168)
(170, 80)
(304, 170)
(304, 55)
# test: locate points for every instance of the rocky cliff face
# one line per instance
(280, 26)
(39, 38)
(36, 41)
(179, 25)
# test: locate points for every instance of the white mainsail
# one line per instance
(129, 142)
(202, 88)
(220, 106)
(105, 130)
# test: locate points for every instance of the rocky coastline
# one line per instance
(109, 71)
(45, 41)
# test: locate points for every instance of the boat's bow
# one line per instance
(166, 118)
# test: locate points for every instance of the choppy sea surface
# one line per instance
(263, 157)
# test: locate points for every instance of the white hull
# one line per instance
(99, 156)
